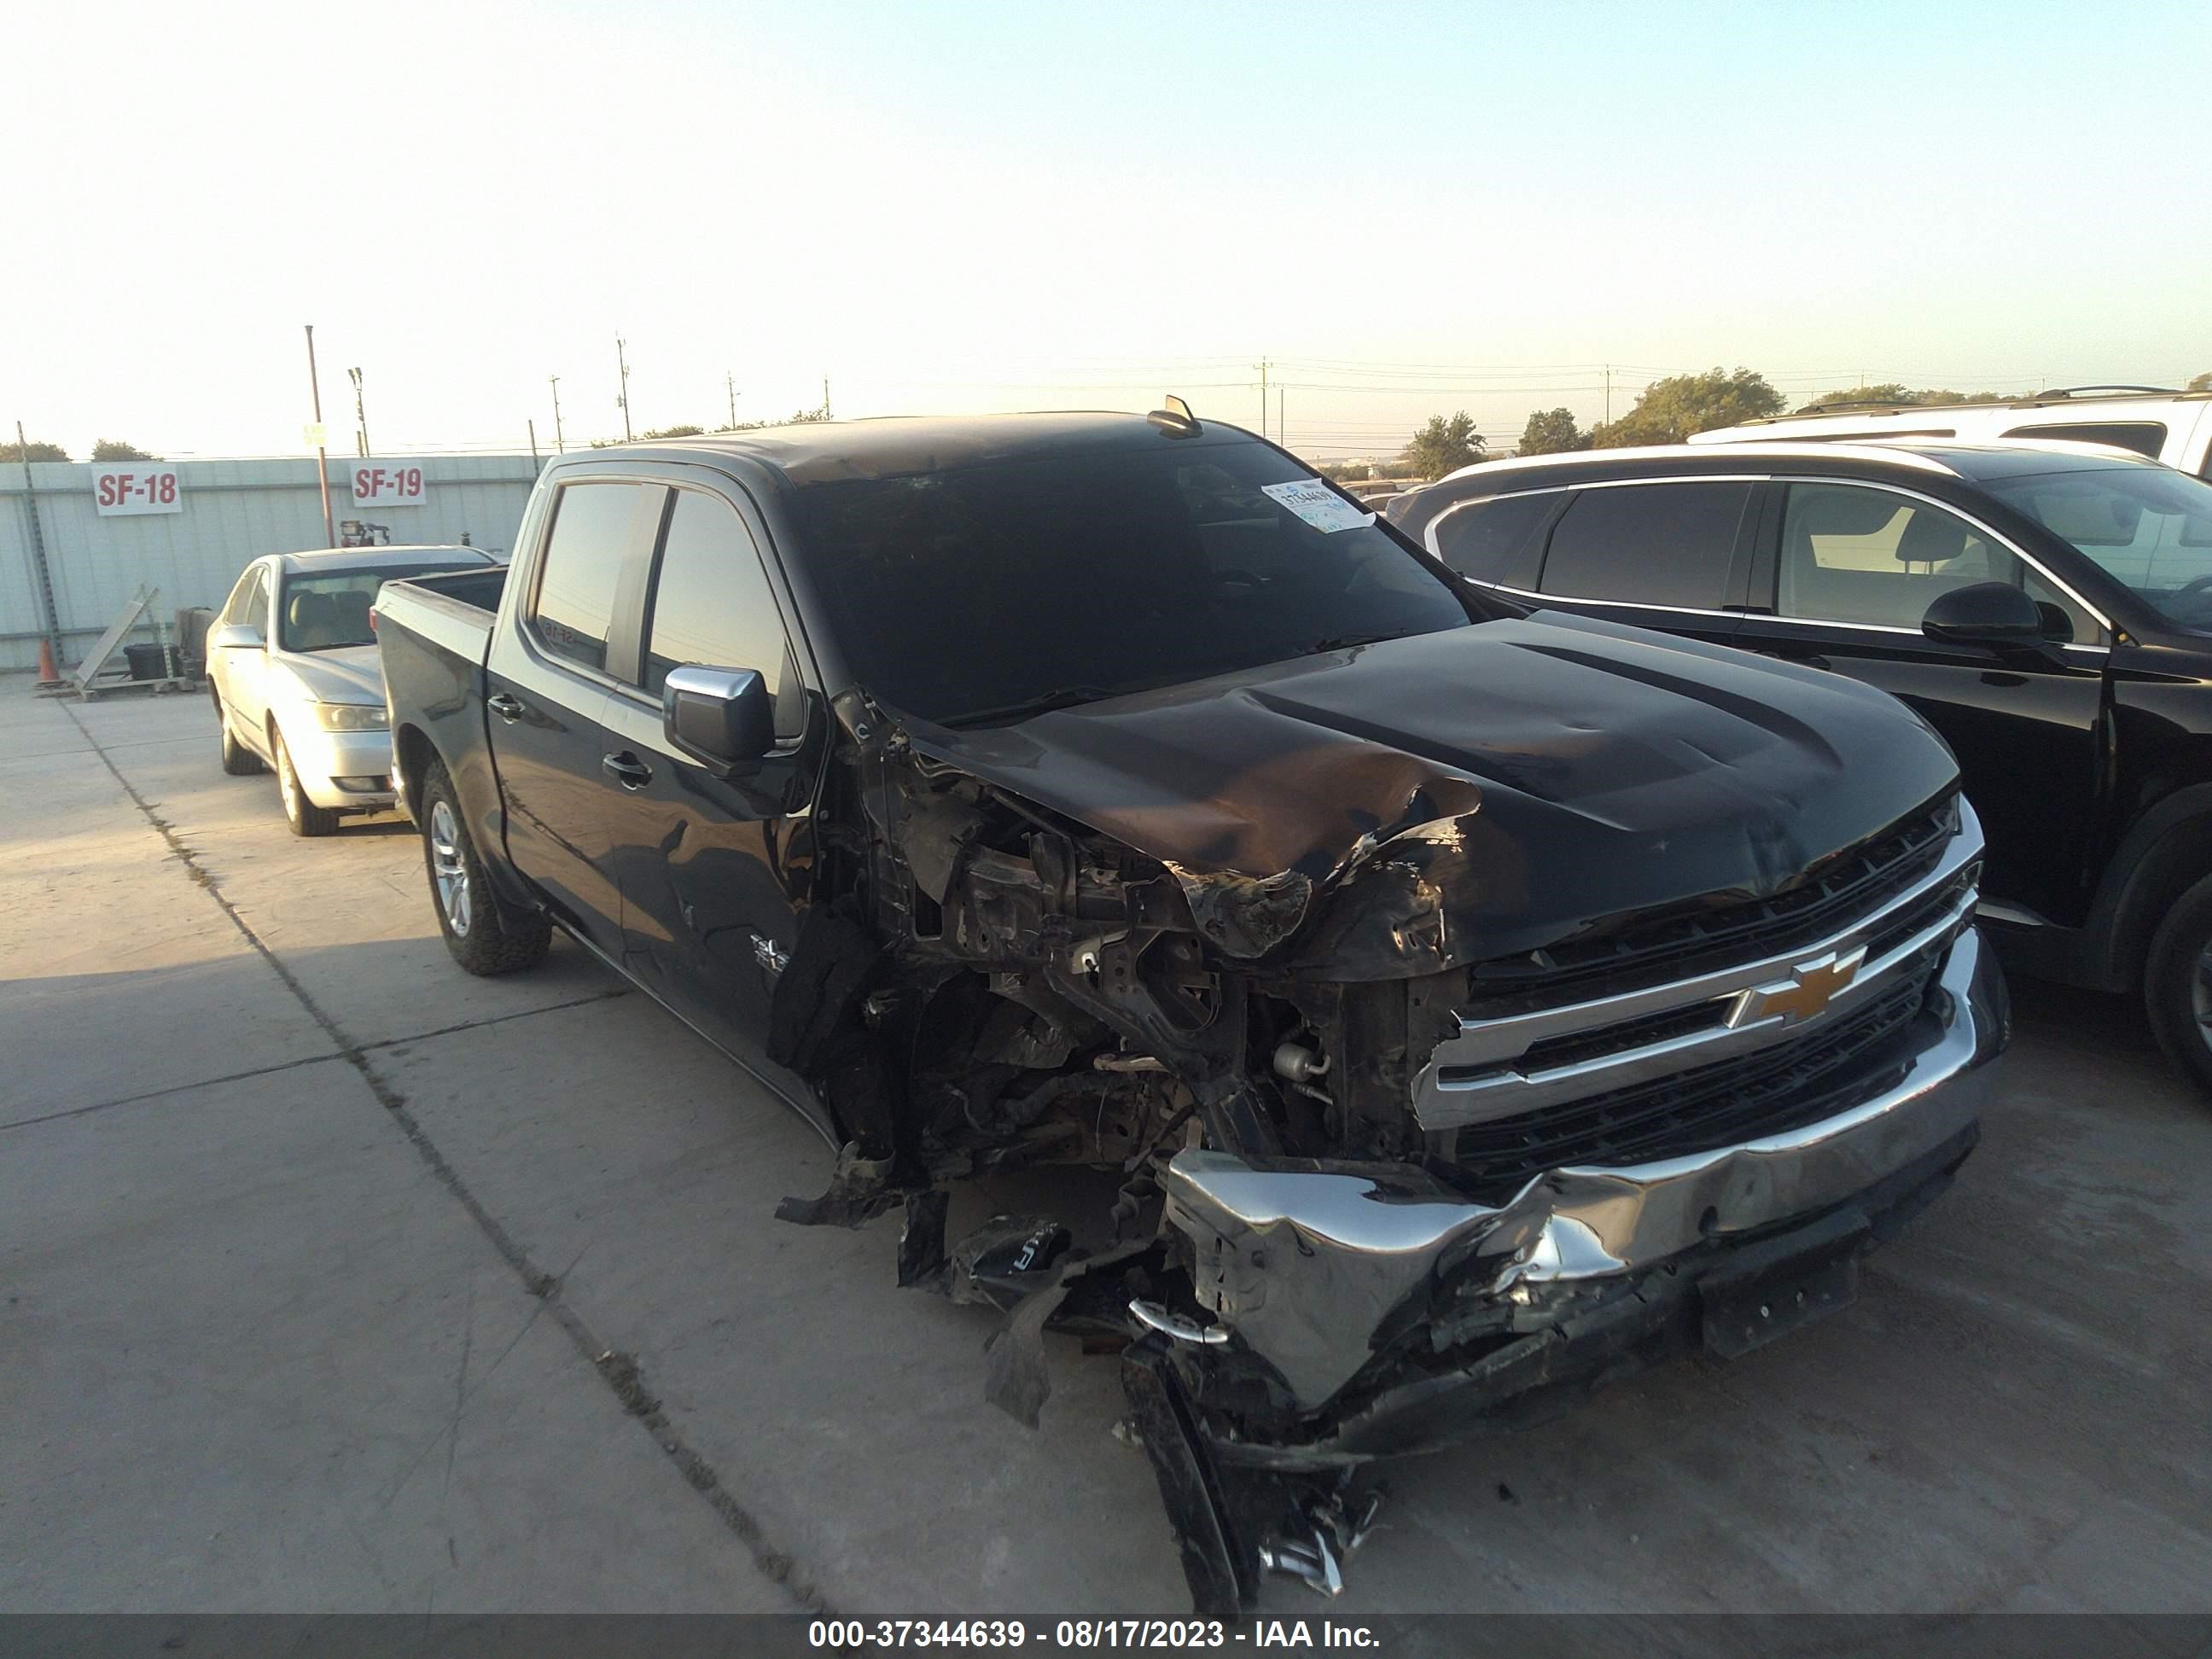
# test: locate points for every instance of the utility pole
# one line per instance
(825, 396)
(559, 448)
(1262, 366)
(622, 366)
(359, 415)
(533, 446)
(1608, 394)
(40, 570)
(1282, 431)
(730, 381)
(322, 459)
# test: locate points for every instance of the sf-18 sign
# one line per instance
(377, 484)
(141, 489)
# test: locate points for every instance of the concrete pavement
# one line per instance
(332, 1279)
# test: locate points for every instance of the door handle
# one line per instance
(507, 707)
(628, 770)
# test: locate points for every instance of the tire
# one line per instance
(2178, 985)
(305, 818)
(238, 761)
(485, 933)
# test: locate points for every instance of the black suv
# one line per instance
(2046, 607)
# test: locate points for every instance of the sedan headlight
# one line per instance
(350, 717)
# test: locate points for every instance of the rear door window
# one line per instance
(2144, 437)
(1669, 545)
(1495, 540)
(596, 527)
(713, 606)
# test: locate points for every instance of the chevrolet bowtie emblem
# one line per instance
(1806, 993)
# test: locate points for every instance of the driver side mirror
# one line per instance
(1985, 613)
(722, 716)
(234, 636)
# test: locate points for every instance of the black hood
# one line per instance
(1419, 803)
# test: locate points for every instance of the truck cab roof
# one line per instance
(898, 446)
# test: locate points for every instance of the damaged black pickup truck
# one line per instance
(1470, 1007)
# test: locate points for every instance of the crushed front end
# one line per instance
(1393, 1171)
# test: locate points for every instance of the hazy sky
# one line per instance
(961, 206)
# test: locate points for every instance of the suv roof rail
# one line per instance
(1839, 405)
(2111, 391)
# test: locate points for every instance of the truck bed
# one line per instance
(431, 634)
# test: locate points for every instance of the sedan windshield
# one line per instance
(329, 611)
(986, 593)
(2148, 526)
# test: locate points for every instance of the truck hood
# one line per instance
(350, 673)
(1405, 806)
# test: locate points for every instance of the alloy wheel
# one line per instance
(288, 785)
(448, 869)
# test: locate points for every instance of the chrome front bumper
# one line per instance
(1304, 1264)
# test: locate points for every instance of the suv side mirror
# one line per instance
(234, 636)
(1986, 613)
(723, 716)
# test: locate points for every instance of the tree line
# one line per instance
(1666, 412)
(797, 417)
(104, 449)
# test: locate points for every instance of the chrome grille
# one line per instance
(1699, 1111)
(1673, 947)
(1503, 1066)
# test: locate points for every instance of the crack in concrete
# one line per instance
(608, 995)
(622, 1380)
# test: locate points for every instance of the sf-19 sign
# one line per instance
(121, 490)
(375, 484)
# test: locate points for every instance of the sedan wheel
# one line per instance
(303, 815)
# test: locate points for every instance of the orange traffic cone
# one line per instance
(46, 674)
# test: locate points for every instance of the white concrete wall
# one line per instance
(234, 512)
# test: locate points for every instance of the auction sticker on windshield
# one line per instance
(1318, 505)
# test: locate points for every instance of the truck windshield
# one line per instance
(982, 594)
(329, 611)
(2148, 526)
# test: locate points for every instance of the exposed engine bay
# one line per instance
(1302, 1269)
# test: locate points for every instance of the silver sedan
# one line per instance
(292, 662)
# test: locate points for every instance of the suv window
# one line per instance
(1490, 540)
(594, 527)
(2144, 437)
(2144, 525)
(712, 605)
(1655, 543)
(1857, 555)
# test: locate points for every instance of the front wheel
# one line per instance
(302, 814)
(2178, 984)
(485, 934)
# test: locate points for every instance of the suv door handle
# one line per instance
(507, 707)
(628, 770)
